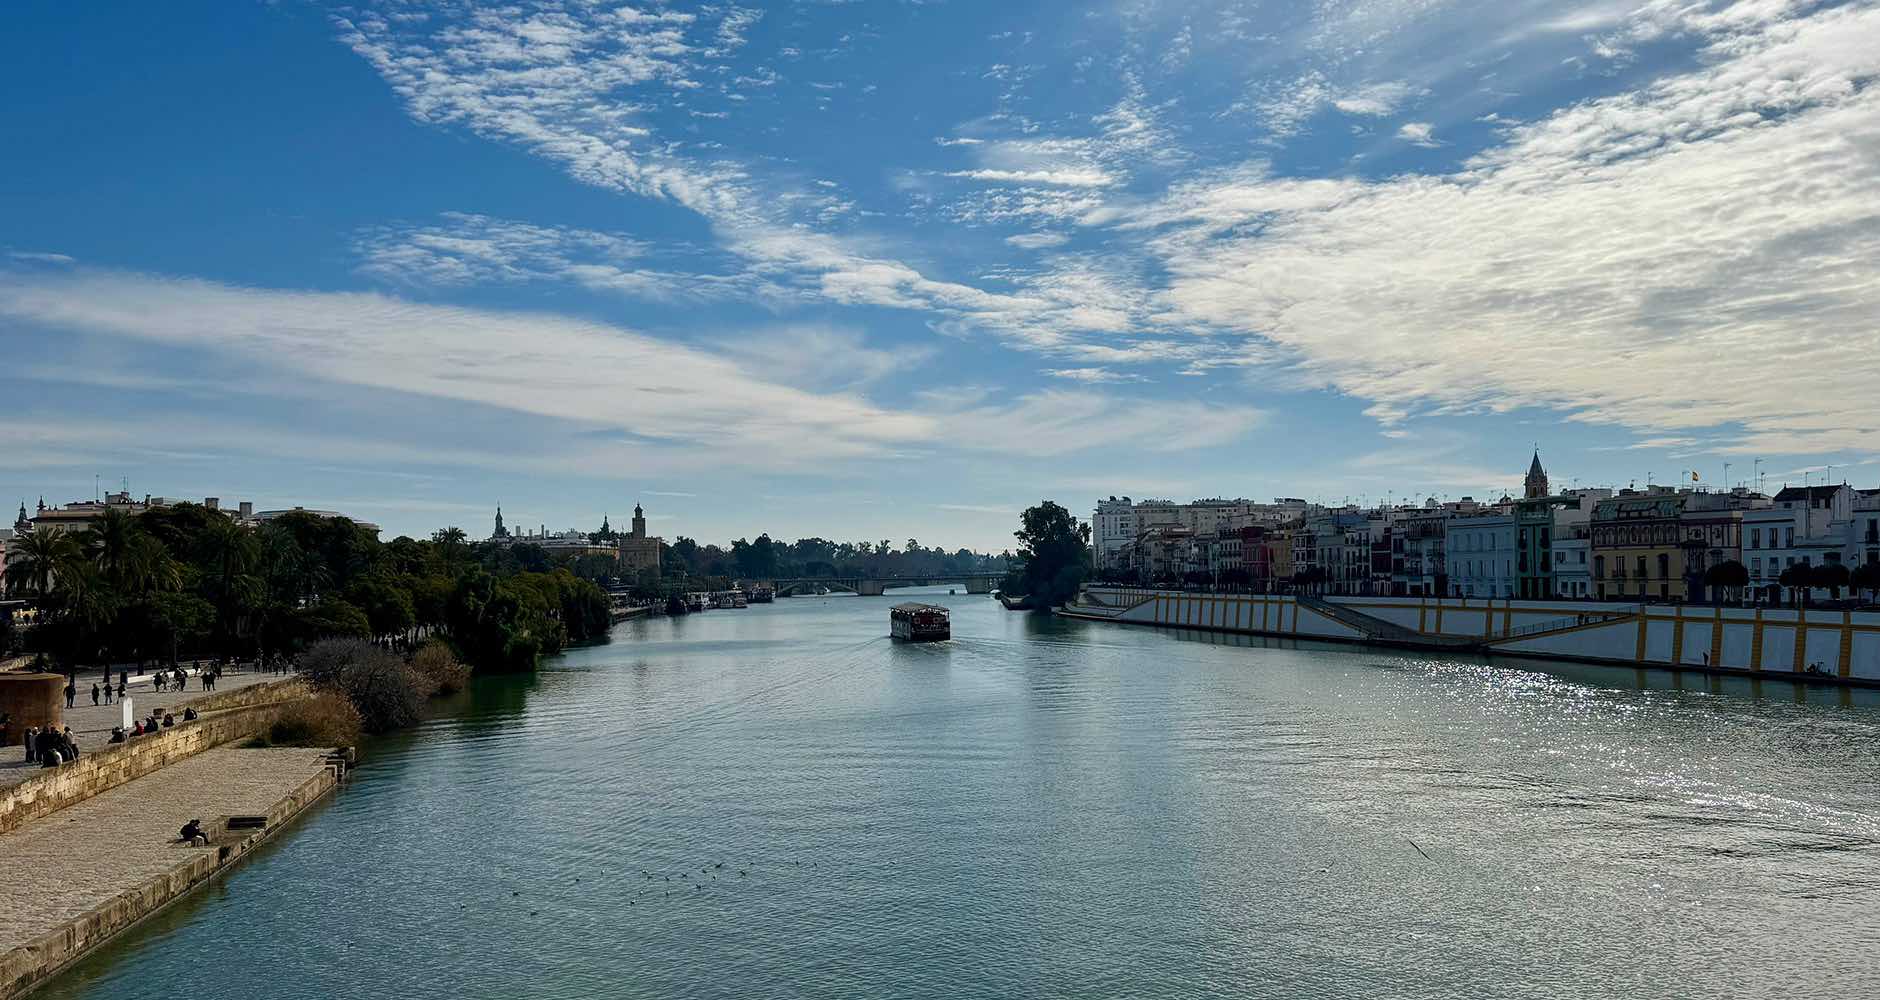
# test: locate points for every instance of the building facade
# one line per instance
(1638, 550)
(1112, 529)
(1481, 555)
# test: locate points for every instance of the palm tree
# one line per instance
(227, 550)
(89, 604)
(453, 542)
(111, 541)
(39, 559)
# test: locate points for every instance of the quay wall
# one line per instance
(225, 717)
(24, 968)
(1845, 645)
(1254, 614)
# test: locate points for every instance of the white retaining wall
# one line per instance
(1842, 643)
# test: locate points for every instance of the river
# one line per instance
(1049, 808)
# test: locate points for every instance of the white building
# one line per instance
(1112, 529)
(1481, 555)
(1571, 556)
(1863, 536)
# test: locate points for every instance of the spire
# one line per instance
(1536, 478)
(500, 532)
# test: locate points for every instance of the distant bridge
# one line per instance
(875, 586)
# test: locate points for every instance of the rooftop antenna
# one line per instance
(94, 487)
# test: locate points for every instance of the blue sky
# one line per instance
(880, 269)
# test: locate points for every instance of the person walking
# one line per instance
(71, 693)
(94, 694)
(124, 684)
(32, 744)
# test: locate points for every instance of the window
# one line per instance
(1599, 567)
(1755, 538)
(1788, 539)
(1641, 568)
(1664, 566)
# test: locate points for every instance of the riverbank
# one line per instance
(81, 875)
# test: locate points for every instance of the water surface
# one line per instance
(1059, 809)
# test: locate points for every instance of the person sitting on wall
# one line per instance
(117, 734)
(168, 720)
(192, 834)
(67, 745)
(50, 753)
(189, 715)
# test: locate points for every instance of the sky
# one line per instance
(895, 269)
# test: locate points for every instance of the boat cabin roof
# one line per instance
(912, 606)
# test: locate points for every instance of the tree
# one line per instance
(1053, 555)
(38, 558)
(227, 551)
(1728, 575)
(1831, 577)
(1866, 577)
(1798, 579)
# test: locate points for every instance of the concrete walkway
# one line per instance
(59, 867)
(91, 725)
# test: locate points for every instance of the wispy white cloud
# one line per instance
(40, 257)
(1091, 376)
(1037, 241)
(1697, 253)
(670, 406)
(1063, 178)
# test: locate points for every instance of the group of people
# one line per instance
(50, 747)
(150, 724)
(102, 692)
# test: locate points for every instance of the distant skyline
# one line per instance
(878, 270)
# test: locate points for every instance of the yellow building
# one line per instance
(1638, 548)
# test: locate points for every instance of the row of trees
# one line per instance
(185, 580)
(766, 558)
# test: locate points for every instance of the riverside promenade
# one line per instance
(91, 726)
(73, 878)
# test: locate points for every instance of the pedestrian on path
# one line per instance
(32, 744)
(71, 693)
(124, 684)
(94, 694)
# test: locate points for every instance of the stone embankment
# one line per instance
(91, 847)
(1818, 646)
(225, 716)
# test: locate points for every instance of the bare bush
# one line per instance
(435, 662)
(387, 693)
(326, 719)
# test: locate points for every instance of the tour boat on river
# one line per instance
(920, 622)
